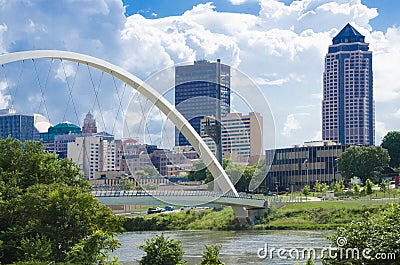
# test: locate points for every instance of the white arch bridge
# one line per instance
(222, 183)
(255, 207)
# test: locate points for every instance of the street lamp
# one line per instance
(306, 165)
(334, 169)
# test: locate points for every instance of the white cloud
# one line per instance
(381, 130)
(291, 124)
(4, 98)
(65, 70)
(282, 48)
(3, 28)
(318, 136)
(386, 59)
(240, 2)
(396, 114)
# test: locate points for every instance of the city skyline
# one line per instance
(281, 47)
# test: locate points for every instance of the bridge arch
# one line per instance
(221, 179)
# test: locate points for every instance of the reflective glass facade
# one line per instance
(19, 127)
(196, 91)
(302, 165)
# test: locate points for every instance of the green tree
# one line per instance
(363, 162)
(151, 171)
(368, 187)
(310, 261)
(372, 234)
(338, 187)
(244, 182)
(36, 248)
(317, 186)
(324, 187)
(198, 171)
(127, 184)
(161, 250)
(93, 249)
(235, 172)
(43, 199)
(354, 188)
(306, 191)
(211, 256)
(383, 186)
(391, 142)
(141, 174)
(225, 163)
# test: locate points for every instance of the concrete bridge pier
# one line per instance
(249, 216)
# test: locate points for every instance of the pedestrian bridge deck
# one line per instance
(178, 198)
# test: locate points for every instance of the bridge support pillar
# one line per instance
(248, 216)
(241, 215)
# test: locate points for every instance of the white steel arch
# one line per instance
(220, 177)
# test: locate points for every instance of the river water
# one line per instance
(238, 247)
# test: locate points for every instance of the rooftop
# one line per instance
(348, 35)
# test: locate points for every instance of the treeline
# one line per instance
(240, 175)
(47, 211)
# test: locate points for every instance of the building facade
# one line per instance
(89, 124)
(21, 126)
(348, 106)
(196, 92)
(93, 153)
(298, 166)
(54, 143)
(242, 136)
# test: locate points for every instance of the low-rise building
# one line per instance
(298, 166)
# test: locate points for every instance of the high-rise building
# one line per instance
(196, 92)
(348, 106)
(93, 153)
(21, 126)
(241, 136)
(89, 124)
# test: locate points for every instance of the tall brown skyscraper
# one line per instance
(348, 108)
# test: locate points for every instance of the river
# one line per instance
(238, 247)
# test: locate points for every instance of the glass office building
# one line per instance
(348, 106)
(297, 166)
(18, 126)
(196, 92)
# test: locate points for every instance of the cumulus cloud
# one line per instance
(291, 124)
(4, 98)
(282, 48)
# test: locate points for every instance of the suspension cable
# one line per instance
(70, 92)
(96, 92)
(43, 100)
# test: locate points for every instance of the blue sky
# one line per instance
(280, 45)
(388, 9)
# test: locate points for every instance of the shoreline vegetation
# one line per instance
(327, 215)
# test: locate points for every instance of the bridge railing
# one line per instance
(128, 193)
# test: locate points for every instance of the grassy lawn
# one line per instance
(320, 215)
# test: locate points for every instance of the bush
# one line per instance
(162, 250)
(211, 255)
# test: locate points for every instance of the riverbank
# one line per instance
(206, 219)
(325, 215)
